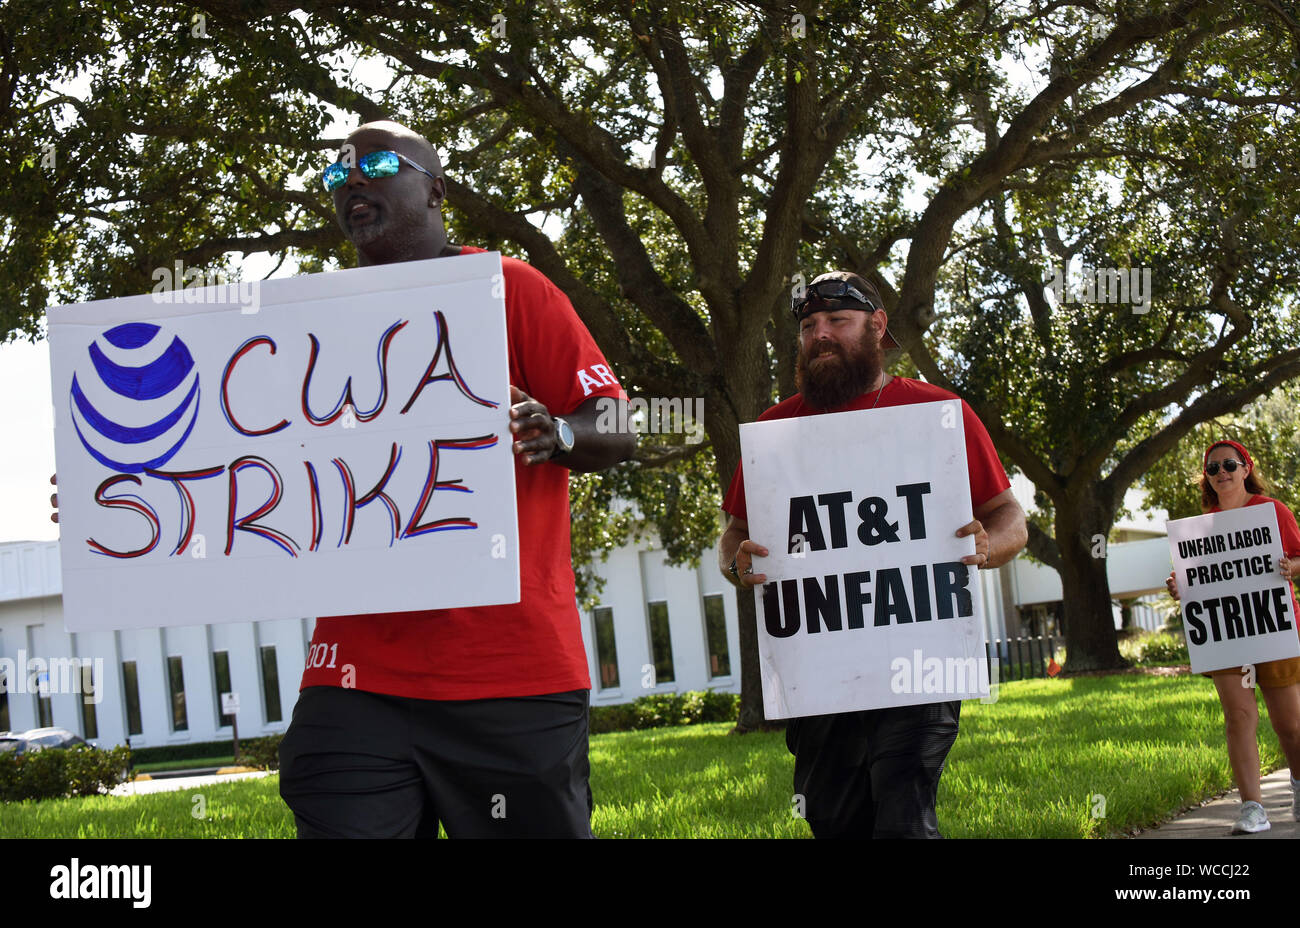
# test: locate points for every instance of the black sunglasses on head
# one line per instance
(1229, 465)
(829, 290)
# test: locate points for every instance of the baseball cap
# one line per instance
(841, 290)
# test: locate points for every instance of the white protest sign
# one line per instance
(1236, 607)
(867, 603)
(326, 453)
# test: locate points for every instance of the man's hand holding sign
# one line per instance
(871, 499)
(747, 550)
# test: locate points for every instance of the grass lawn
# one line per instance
(1033, 764)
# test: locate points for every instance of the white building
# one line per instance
(658, 629)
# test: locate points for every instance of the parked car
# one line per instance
(13, 744)
(40, 738)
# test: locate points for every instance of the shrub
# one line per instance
(661, 710)
(1154, 649)
(611, 718)
(192, 751)
(263, 753)
(712, 706)
(57, 772)
(1164, 648)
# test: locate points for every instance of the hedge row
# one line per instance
(188, 751)
(263, 753)
(658, 710)
(1161, 648)
(52, 773)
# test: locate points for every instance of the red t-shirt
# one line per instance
(987, 476)
(533, 646)
(1286, 524)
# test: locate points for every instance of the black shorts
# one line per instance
(872, 774)
(355, 764)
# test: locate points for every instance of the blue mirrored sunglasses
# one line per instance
(372, 165)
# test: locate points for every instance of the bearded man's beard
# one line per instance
(838, 380)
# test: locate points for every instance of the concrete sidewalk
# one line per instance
(168, 784)
(1214, 818)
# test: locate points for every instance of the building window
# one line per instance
(44, 711)
(661, 643)
(176, 687)
(131, 686)
(89, 721)
(271, 684)
(4, 701)
(221, 675)
(715, 629)
(606, 649)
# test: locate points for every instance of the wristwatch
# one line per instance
(563, 437)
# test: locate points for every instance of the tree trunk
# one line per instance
(1082, 525)
(748, 378)
(751, 684)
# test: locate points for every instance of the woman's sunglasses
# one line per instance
(372, 165)
(1229, 465)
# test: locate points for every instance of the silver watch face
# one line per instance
(564, 434)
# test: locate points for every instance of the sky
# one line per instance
(26, 443)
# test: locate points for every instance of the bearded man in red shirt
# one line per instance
(872, 773)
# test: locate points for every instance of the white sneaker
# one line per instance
(1295, 799)
(1253, 819)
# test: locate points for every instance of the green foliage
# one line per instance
(1087, 394)
(189, 751)
(262, 753)
(1155, 649)
(55, 772)
(661, 710)
(1270, 430)
(678, 505)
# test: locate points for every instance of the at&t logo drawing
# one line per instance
(135, 397)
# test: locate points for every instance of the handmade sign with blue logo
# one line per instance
(342, 449)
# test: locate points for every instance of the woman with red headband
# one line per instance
(1229, 481)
